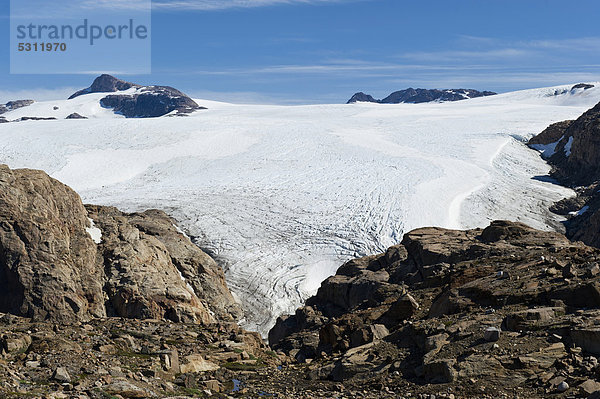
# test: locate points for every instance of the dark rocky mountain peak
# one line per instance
(105, 84)
(75, 115)
(146, 102)
(415, 96)
(361, 97)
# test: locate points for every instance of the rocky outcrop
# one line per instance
(48, 263)
(57, 263)
(35, 118)
(491, 307)
(415, 96)
(177, 280)
(573, 150)
(583, 86)
(75, 115)
(551, 135)
(12, 105)
(144, 102)
(150, 102)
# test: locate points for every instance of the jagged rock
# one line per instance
(151, 102)
(61, 375)
(176, 273)
(416, 96)
(530, 319)
(491, 334)
(588, 339)
(15, 343)
(403, 308)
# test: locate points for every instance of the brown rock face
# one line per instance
(154, 271)
(551, 134)
(51, 268)
(576, 163)
(48, 263)
(577, 158)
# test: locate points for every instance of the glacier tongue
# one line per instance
(281, 196)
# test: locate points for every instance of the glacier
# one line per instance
(281, 196)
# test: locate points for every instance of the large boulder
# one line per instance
(177, 279)
(61, 261)
(48, 262)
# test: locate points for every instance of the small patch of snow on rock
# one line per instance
(94, 232)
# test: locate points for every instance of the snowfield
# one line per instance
(283, 195)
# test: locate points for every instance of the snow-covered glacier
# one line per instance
(282, 195)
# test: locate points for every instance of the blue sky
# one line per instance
(316, 51)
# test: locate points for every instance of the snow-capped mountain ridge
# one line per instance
(284, 194)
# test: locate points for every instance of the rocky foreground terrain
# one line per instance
(506, 311)
(97, 303)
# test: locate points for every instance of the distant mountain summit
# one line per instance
(415, 96)
(105, 84)
(144, 102)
